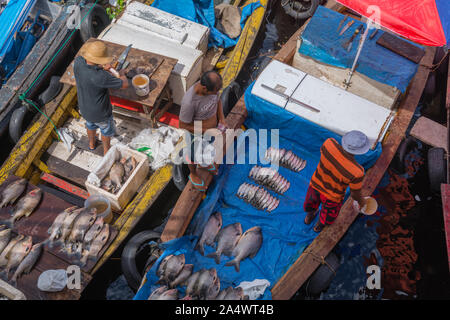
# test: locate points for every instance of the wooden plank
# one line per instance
(445, 194)
(401, 47)
(137, 58)
(310, 259)
(430, 132)
(66, 170)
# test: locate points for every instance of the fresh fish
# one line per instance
(162, 266)
(222, 294)
(227, 239)
(269, 178)
(213, 290)
(82, 224)
(97, 244)
(258, 197)
(28, 263)
(182, 277)
(12, 191)
(129, 165)
(6, 252)
(157, 292)
(205, 281)
(68, 223)
(18, 253)
(26, 205)
(235, 294)
(248, 246)
(94, 230)
(5, 236)
(171, 294)
(192, 281)
(56, 229)
(287, 159)
(116, 175)
(173, 268)
(209, 232)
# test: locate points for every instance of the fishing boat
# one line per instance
(308, 258)
(41, 157)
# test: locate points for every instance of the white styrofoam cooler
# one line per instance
(339, 111)
(156, 31)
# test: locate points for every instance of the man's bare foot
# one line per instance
(197, 182)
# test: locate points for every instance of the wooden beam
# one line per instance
(310, 259)
(445, 192)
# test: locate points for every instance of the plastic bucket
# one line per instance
(102, 205)
(370, 207)
(140, 84)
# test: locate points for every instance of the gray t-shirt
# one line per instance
(195, 107)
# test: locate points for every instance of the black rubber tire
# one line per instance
(180, 173)
(16, 123)
(52, 91)
(230, 96)
(292, 8)
(322, 277)
(94, 23)
(128, 259)
(437, 168)
(398, 163)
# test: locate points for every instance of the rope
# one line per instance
(321, 260)
(23, 98)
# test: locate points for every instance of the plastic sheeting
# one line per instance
(285, 235)
(321, 41)
(202, 11)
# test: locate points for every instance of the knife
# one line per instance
(289, 98)
(341, 23)
(346, 27)
(122, 58)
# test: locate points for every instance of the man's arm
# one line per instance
(357, 196)
(220, 114)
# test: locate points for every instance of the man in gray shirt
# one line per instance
(201, 103)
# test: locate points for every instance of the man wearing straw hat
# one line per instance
(336, 171)
(93, 81)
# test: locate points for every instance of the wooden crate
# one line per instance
(120, 200)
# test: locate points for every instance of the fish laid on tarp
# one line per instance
(270, 178)
(162, 266)
(55, 230)
(227, 238)
(171, 294)
(205, 281)
(28, 262)
(258, 197)
(18, 253)
(26, 205)
(157, 293)
(235, 294)
(82, 224)
(248, 246)
(210, 231)
(94, 230)
(97, 244)
(285, 158)
(68, 223)
(12, 192)
(5, 254)
(191, 282)
(172, 268)
(182, 276)
(213, 290)
(5, 236)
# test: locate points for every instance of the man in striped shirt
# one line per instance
(336, 171)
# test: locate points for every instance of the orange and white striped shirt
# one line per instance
(336, 171)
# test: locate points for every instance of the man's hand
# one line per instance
(107, 66)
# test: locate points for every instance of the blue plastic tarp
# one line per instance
(321, 41)
(202, 11)
(285, 235)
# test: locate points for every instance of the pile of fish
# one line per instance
(285, 158)
(270, 178)
(258, 197)
(25, 206)
(17, 252)
(80, 232)
(203, 284)
(118, 174)
(230, 240)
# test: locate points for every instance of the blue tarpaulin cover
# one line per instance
(321, 41)
(285, 235)
(202, 11)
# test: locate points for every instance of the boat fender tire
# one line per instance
(54, 88)
(16, 123)
(128, 259)
(230, 96)
(398, 163)
(437, 168)
(322, 277)
(94, 23)
(180, 173)
(292, 8)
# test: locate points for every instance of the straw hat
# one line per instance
(96, 52)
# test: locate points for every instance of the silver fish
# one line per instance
(248, 246)
(185, 273)
(97, 244)
(5, 254)
(172, 268)
(205, 281)
(94, 230)
(116, 175)
(235, 294)
(157, 292)
(209, 232)
(227, 239)
(162, 266)
(26, 205)
(68, 223)
(5, 236)
(13, 191)
(56, 228)
(213, 290)
(82, 224)
(18, 253)
(28, 263)
(191, 282)
(171, 294)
